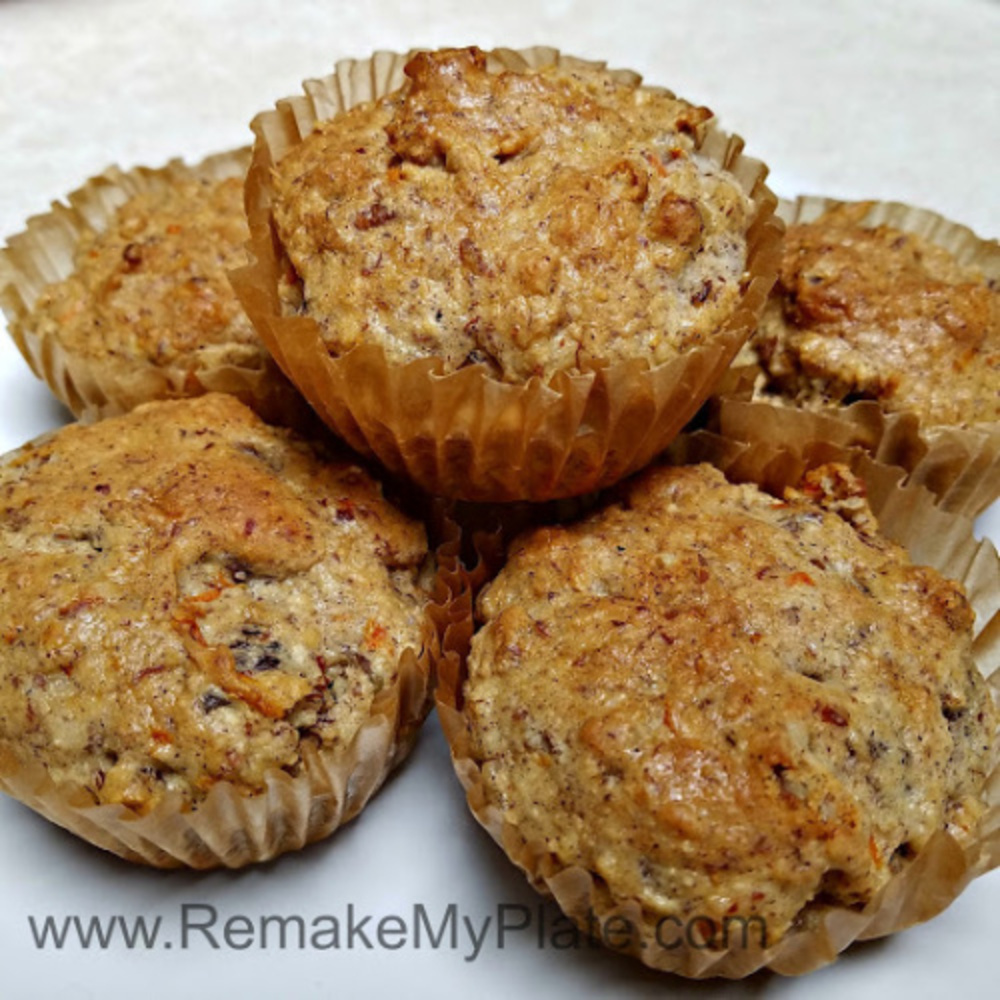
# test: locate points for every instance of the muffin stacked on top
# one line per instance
(506, 276)
(617, 241)
(513, 277)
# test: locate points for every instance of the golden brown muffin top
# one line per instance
(538, 221)
(877, 313)
(188, 596)
(721, 703)
(153, 288)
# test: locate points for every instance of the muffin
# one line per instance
(875, 312)
(122, 297)
(546, 238)
(214, 626)
(718, 716)
(884, 328)
(530, 222)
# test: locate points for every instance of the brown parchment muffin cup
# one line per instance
(959, 463)
(919, 889)
(162, 775)
(466, 433)
(82, 344)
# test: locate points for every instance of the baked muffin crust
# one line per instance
(539, 221)
(877, 313)
(720, 703)
(152, 288)
(188, 596)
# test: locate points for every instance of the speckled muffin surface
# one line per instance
(721, 703)
(534, 222)
(123, 296)
(873, 312)
(189, 597)
(154, 287)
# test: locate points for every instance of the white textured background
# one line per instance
(883, 98)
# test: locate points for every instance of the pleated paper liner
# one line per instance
(466, 434)
(231, 829)
(95, 388)
(930, 881)
(960, 465)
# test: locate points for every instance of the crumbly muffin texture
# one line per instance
(532, 222)
(722, 703)
(876, 313)
(188, 596)
(153, 289)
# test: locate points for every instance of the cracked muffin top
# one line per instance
(722, 703)
(877, 313)
(533, 222)
(188, 596)
(145, 310)
(154, 286)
